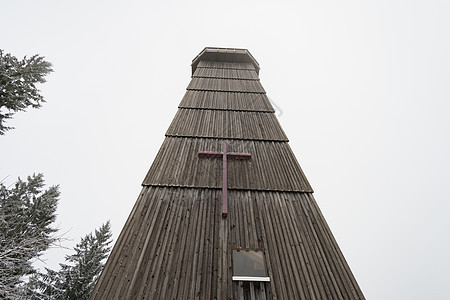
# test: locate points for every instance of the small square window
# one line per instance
(248, 265)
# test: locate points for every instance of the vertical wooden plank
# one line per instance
(153, 267)
(187, 198)
(293, 260)
(137, 271)
(176, 237)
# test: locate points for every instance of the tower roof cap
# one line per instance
(226, 55)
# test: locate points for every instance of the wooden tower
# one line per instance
(225, 210)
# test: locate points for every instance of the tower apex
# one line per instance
(225, 55)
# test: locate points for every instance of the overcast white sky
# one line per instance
(362, 90)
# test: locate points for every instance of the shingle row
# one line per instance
(225, 85)
(226, 100)
(272, 166)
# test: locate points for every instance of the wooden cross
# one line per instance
(224, 156)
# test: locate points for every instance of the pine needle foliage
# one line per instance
(27, 211)
(76, 280)
(18, 79)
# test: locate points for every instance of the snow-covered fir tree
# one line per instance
(76, 280)
(18, 79)
(27, 211)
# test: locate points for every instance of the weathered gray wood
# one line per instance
(178, 229)
(273, 167)
(176, 245)
(225, 65)
(226, 124)
(226, 85)
(226, 73)
(226, 101)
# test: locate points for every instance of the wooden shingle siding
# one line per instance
(176, 244)
(172, 248)
(225, 85)
(226, 101)
(273, 166)
(248, 290)
(225, 65)
(226, 73)
(226, 124)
